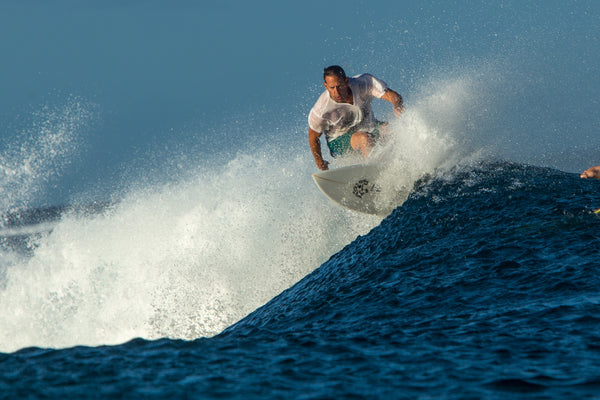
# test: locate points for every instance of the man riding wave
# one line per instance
(344, 114)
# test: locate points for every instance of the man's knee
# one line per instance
(360, 140)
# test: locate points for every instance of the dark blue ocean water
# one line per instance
(483, 284)
(160, 234)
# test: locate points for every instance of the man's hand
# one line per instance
(323, 165)
(398, 109)
(396, 101)
(593, 172)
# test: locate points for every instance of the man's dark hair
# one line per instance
(334, 70)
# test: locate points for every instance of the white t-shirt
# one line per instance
(334, 119)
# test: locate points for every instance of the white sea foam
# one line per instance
(41, 149)
(182, 260)
(188, 258)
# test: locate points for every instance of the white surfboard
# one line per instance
(365, 188)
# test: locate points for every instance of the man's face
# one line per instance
(337, 87)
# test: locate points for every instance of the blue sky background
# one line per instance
(182, 80)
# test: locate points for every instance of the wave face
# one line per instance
(483, 283)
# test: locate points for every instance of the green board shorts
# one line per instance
(341, 144)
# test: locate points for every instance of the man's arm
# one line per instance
(395, 99)
(315, 148)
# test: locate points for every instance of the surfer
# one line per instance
(593, 172)
(344, 114)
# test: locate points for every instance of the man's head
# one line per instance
(334, 70)
(336, 83)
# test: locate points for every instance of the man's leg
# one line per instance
(363, 142)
